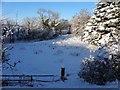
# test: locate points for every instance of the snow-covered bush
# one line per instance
(64, 27)
(116, 64)
(12, 33)
(97, 69)
(45, 35)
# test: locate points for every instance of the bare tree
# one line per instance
(0, 39)
(30, 23)
(7, 30)
(48, 19)
(78, 21)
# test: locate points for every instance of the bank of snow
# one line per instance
(47, 57)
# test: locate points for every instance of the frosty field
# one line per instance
(47, 57)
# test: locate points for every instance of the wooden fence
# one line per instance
(6, 79)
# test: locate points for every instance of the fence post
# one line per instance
(31, 78)
(63, 73)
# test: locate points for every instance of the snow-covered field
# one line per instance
(47, 57)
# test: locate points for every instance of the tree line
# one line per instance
(47, 25)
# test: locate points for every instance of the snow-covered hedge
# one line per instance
(14, 33)
(96, 71)
(116, 64)
(101, 68)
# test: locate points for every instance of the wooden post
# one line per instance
(31, 78)
(118, 84)
(63, 73)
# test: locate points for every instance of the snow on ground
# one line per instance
(47, 57)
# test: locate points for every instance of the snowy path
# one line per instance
(47, 57)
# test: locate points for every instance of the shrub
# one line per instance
(97, 70)
(116, 64)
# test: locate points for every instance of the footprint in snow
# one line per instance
(38, 52)
(75, 54)
(22, 48)
(58, 52)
